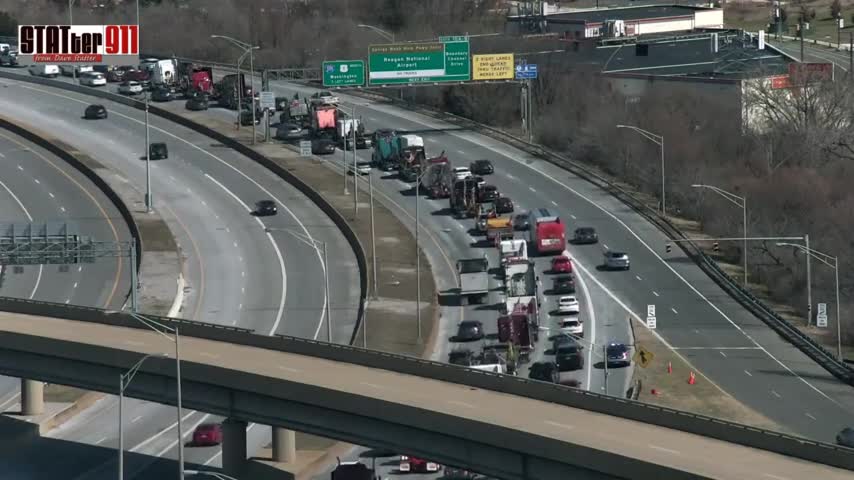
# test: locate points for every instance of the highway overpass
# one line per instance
(450, 414)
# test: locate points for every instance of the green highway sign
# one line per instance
(344, 73)
(420, 62)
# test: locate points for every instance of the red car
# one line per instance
(417, 465)
(207, 434)
(561, 264)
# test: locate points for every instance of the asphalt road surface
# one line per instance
(237, 273)
(817, 53)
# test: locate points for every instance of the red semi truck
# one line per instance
(547, 232)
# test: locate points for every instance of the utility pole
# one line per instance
(801, 32)
(355, 170)
(850, 52)
(530, 111)
(809, 280)
(149, 200)
(373, 237)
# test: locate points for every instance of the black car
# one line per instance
(462, 357)
(162, 95)
(322, 145)
(845, 437)
(487, 193)
(585, 235)
(469, 331)
(246, 118)
(618, 355)
(522, 221)
(563, 284)
(481, 167)
(158, 151)
(200, 102)
(569, 354)
(503, 205)
(265, 208)
(544, 372)
(95, 112)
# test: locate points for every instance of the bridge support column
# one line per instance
(32, 397)
(284, 445)
(233, 447)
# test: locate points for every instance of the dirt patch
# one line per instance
(62, 394)
(673, 390)
(155, 234)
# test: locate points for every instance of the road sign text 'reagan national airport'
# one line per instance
(498, 66)
(344, 73)
(99, 44)
(431, 62)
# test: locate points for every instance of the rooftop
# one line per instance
(622, 13)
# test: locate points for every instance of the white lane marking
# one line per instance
(227, 230)
(289, 369)
(37, 181)
(242, 274)
(655, 293)
(79, 268)
(63, 209)
(10, 401)
(204, 203)
(462, 404)
(172, 178)
(573, 216)
(748, 373)
(511, 177)
(160, 433)
(373, 385)
(532, 189)
(662, 449)
(560, 425)
(461, 152)
(592, 314)
(20, 168)
(51, 195)
(75, 285)
(235, 244)
(674, 310)
(775, 394)
(810, 415)
(715, 348)
(67, 301)
(136, 419)
(242, 289)
(30, 218)
(605, 246)
(240, 306)
(775, 477)
(722, 354)
(101, 441)
(639, 278)
(554, 203)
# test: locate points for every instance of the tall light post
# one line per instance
(418, 253)
(124, 381)
(658, 140)
(164, 331)
(248, 49)
(149, 200)
(71, 22)
(314, 244)
(832, 262)
(387, 35)
(740, 202)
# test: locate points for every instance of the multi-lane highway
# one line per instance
(37, 187)
(816, 53)
(238, 274)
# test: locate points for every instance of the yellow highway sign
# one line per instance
(643, 357)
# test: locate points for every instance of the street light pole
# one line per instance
(124, 381)
(180, 413)
(149, 200)
(252, 88)
(355, 169)
(739, 202)
(373, 237)
(71, 22)
(658, 140)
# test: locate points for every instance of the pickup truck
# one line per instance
(496, 226)
(473, 275)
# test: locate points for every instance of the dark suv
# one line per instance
(563, 284)
(569, 354)
(266, 208)
(95, 112)
(481, 167)
(544, 372)
(158, 151)
(585, 235)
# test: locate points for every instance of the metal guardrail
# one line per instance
(784, 328)
(99, 182)
(313, 195)
(553, 393)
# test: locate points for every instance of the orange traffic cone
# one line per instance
(691, 379)
(669, 368)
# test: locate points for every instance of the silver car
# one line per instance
(616, 260)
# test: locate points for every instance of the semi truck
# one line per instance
(192, 78)
(385, 150)
(164, 73)
(512, 249)
(438, 177)
(497, 226)
(473, 277)
(520, 328)
(521, 283)
(410, 155)
(547, 233)
(226, 91)
(463, 198)
(324, 120)
(353, 471)
(297, 112)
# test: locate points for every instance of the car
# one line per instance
(617, 354)
(266, 208)
(572, 326)
(197, 103)
(568, 304)
(44, 70)
(362, 168)
(469, 331)
(563, 284)
(616, 260)
(130, 87)
(522, 221)
(93, 79)
(117, 74)
(139, 76)
(464, 357)
(207, 435)
(462, 173)
(503, 205)
(487, 193)
(324, 98)
(322, 145)
(845, 437)
(246, 117)
(158, 151)
(417, 465)
(70, 70)
(585, 235)
(481, 167)
(95, 112)
(289, 131)
(544, 372)
(561, 264)
(8, 57)
(162, 95)
(569, 354)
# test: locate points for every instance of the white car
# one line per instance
(568, 304)
(68, 70)
(572, 326)
(42, 70)
(130, 88)
(462, 173)
(324, 98)
(362, 168)
(93, 79)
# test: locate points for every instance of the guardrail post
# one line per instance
(284, 445)
(233, 446)
(32, 397)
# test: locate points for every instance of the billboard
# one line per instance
(85, 44)
(498, 66)
(430, 62)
